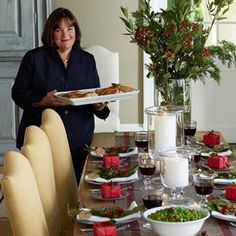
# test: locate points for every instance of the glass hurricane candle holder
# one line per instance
(176, 173)
(165, 128)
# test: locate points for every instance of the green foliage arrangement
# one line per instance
(176, 41)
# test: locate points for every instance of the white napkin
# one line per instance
(224, 181)
(225, 153)
(218, 215)
(134, 176)
(125, 154)
(94, 219)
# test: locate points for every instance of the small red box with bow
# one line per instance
(111, 190)
(230, 192)
(104, 229)
(110, 161)
(211, 138)
(217, 162)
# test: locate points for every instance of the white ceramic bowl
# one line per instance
(189, 228)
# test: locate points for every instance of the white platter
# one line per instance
(95, 99)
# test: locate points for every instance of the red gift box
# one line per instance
(104, 229)
(230, 192)
(111, 161)
(111, 190)
(211, 138)
(217, 162)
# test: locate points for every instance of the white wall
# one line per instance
(214, 106)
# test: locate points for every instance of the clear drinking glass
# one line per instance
(141, 141)
(204, 185)
(147, 166)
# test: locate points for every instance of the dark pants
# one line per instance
(78, 159)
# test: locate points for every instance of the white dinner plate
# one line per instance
(122, 220)
(220, 216)
(95, 99)
(121, 155)
(225, 153)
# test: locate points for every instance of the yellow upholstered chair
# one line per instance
(37, 150)
(66, 183)
(22, 197)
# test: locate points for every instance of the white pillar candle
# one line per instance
(176, 172)
(165, 132)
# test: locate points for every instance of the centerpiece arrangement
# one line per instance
(176, 41)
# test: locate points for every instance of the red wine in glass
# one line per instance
(141, 143)
(204, 189)
(151, 201)
(189, 131)
(147, 170)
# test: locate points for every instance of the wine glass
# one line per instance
(147, 166)
(190, 128)
(176, 173)
(152, 195)
(141, 141)
(204, 184)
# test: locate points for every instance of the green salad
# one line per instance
(177, 214)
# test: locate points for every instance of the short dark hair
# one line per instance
(53, 22)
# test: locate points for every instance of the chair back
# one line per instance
(66, 183)
(22, 197)
(107, 63)
(37, 150)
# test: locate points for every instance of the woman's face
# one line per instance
(64, 36)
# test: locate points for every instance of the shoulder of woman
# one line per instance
(36, 51)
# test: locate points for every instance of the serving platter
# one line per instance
(94, 99)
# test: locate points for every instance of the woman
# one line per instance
(59, 65)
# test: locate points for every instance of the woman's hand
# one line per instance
(100, 106)
(50, 100)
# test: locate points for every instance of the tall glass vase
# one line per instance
(176, 93)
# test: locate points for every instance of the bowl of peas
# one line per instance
(173, 220)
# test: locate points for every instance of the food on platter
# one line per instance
(217, 162)
(211, 138)
(113, 89)
(230, 192)
(79, 94)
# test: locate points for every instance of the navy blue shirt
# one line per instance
(41, 71)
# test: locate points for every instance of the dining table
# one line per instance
(211, 227)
